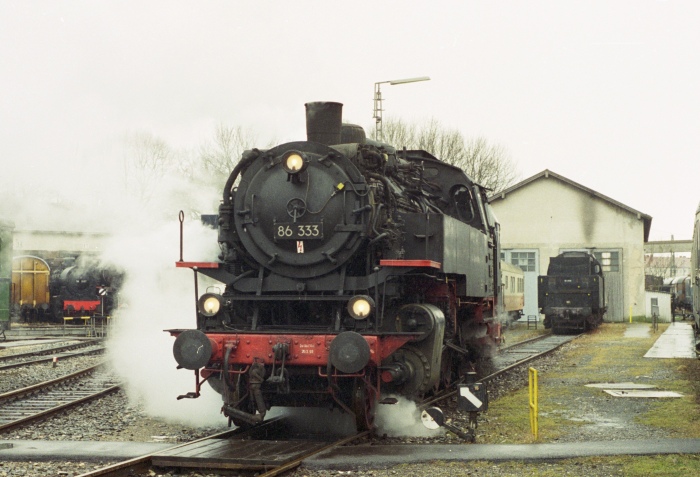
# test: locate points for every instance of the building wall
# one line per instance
(551, 215)
(29, 241)
(663, 301)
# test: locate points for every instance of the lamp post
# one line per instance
(378, 101)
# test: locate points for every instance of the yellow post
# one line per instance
(532, 387)
(630, 313)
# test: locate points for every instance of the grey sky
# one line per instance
(602, 92)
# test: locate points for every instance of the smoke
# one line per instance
(402, 420)
(156, 296)
(96, 193)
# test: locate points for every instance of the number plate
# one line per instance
(291, 231)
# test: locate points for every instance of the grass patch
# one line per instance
(628, 466)
(603, 356)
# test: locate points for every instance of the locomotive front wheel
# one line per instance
(363, 405)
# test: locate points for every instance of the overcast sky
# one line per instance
(604, 93)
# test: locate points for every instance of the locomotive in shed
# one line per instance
(351, 271)
(54, 289)
(81, 287)
(572, 294)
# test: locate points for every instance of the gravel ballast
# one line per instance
(600, 417)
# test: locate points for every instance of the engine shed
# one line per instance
(547, 214)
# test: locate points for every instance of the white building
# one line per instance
(548, 214)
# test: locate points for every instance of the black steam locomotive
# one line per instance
(80, 287)
(351, 271)
(572, 294)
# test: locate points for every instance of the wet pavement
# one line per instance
(678, 341)
(22, 450)
(370, 456)
(343, 458)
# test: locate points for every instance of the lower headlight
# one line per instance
(360, 307)
(209, 304)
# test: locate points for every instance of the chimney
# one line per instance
(324, 122)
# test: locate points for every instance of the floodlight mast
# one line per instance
(379, 133)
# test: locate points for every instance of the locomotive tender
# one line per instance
(352, 271)
(572, 294)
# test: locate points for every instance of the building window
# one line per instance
(525, 260)
(610, 261)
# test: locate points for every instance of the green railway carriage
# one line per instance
(6, 229)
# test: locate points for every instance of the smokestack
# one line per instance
(324, 122)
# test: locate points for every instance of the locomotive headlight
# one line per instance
(293, 162)
(209, 304)
(360, 307)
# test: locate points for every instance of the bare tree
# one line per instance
(146, 159)
(489, 165)
(220, 156)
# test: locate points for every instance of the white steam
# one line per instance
(402, 420)
(157, 296)
(136, 205)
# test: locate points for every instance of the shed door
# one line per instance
(528, 260)
(611, 261)
(30, 281)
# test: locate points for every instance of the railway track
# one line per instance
(263, 450)
(47, 355)
(44, 399)
(508, 358)
(255, 450)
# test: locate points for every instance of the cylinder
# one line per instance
(324, 122)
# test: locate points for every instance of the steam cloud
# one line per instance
(143, 241)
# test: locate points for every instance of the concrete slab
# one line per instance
(634, 393)
(378, 456)
(620, 386)
(77, 450)
(678, 341)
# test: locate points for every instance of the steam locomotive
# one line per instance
(81, 287)
(572, 294)
(63, 289)
(352, 271)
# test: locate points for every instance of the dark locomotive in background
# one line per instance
(572, 294)
(58, 289)
(83, 287)
(352, 270)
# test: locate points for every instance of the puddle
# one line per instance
(591, 420)
(637, 330)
